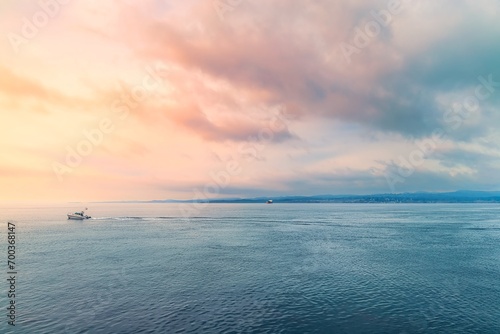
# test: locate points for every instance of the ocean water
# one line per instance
(255, 268)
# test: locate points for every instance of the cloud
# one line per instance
(344, 122)
(280, 52)
(235, 128)
(18, 87)
(32, 93)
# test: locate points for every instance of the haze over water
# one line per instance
(256, 268)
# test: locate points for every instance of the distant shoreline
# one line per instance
(405, 198)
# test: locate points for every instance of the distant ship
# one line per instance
(269, 201)
(78, 215)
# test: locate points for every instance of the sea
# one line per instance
(252, 268)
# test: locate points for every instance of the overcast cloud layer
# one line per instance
(162, 99)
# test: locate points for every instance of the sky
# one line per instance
(160, 99)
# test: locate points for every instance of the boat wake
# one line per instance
(131, 218)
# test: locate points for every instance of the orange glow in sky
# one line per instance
(124, 100)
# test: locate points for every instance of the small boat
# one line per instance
(269, 201)
(78, 215)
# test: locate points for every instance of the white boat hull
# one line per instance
(75, 217)
(78, 215)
